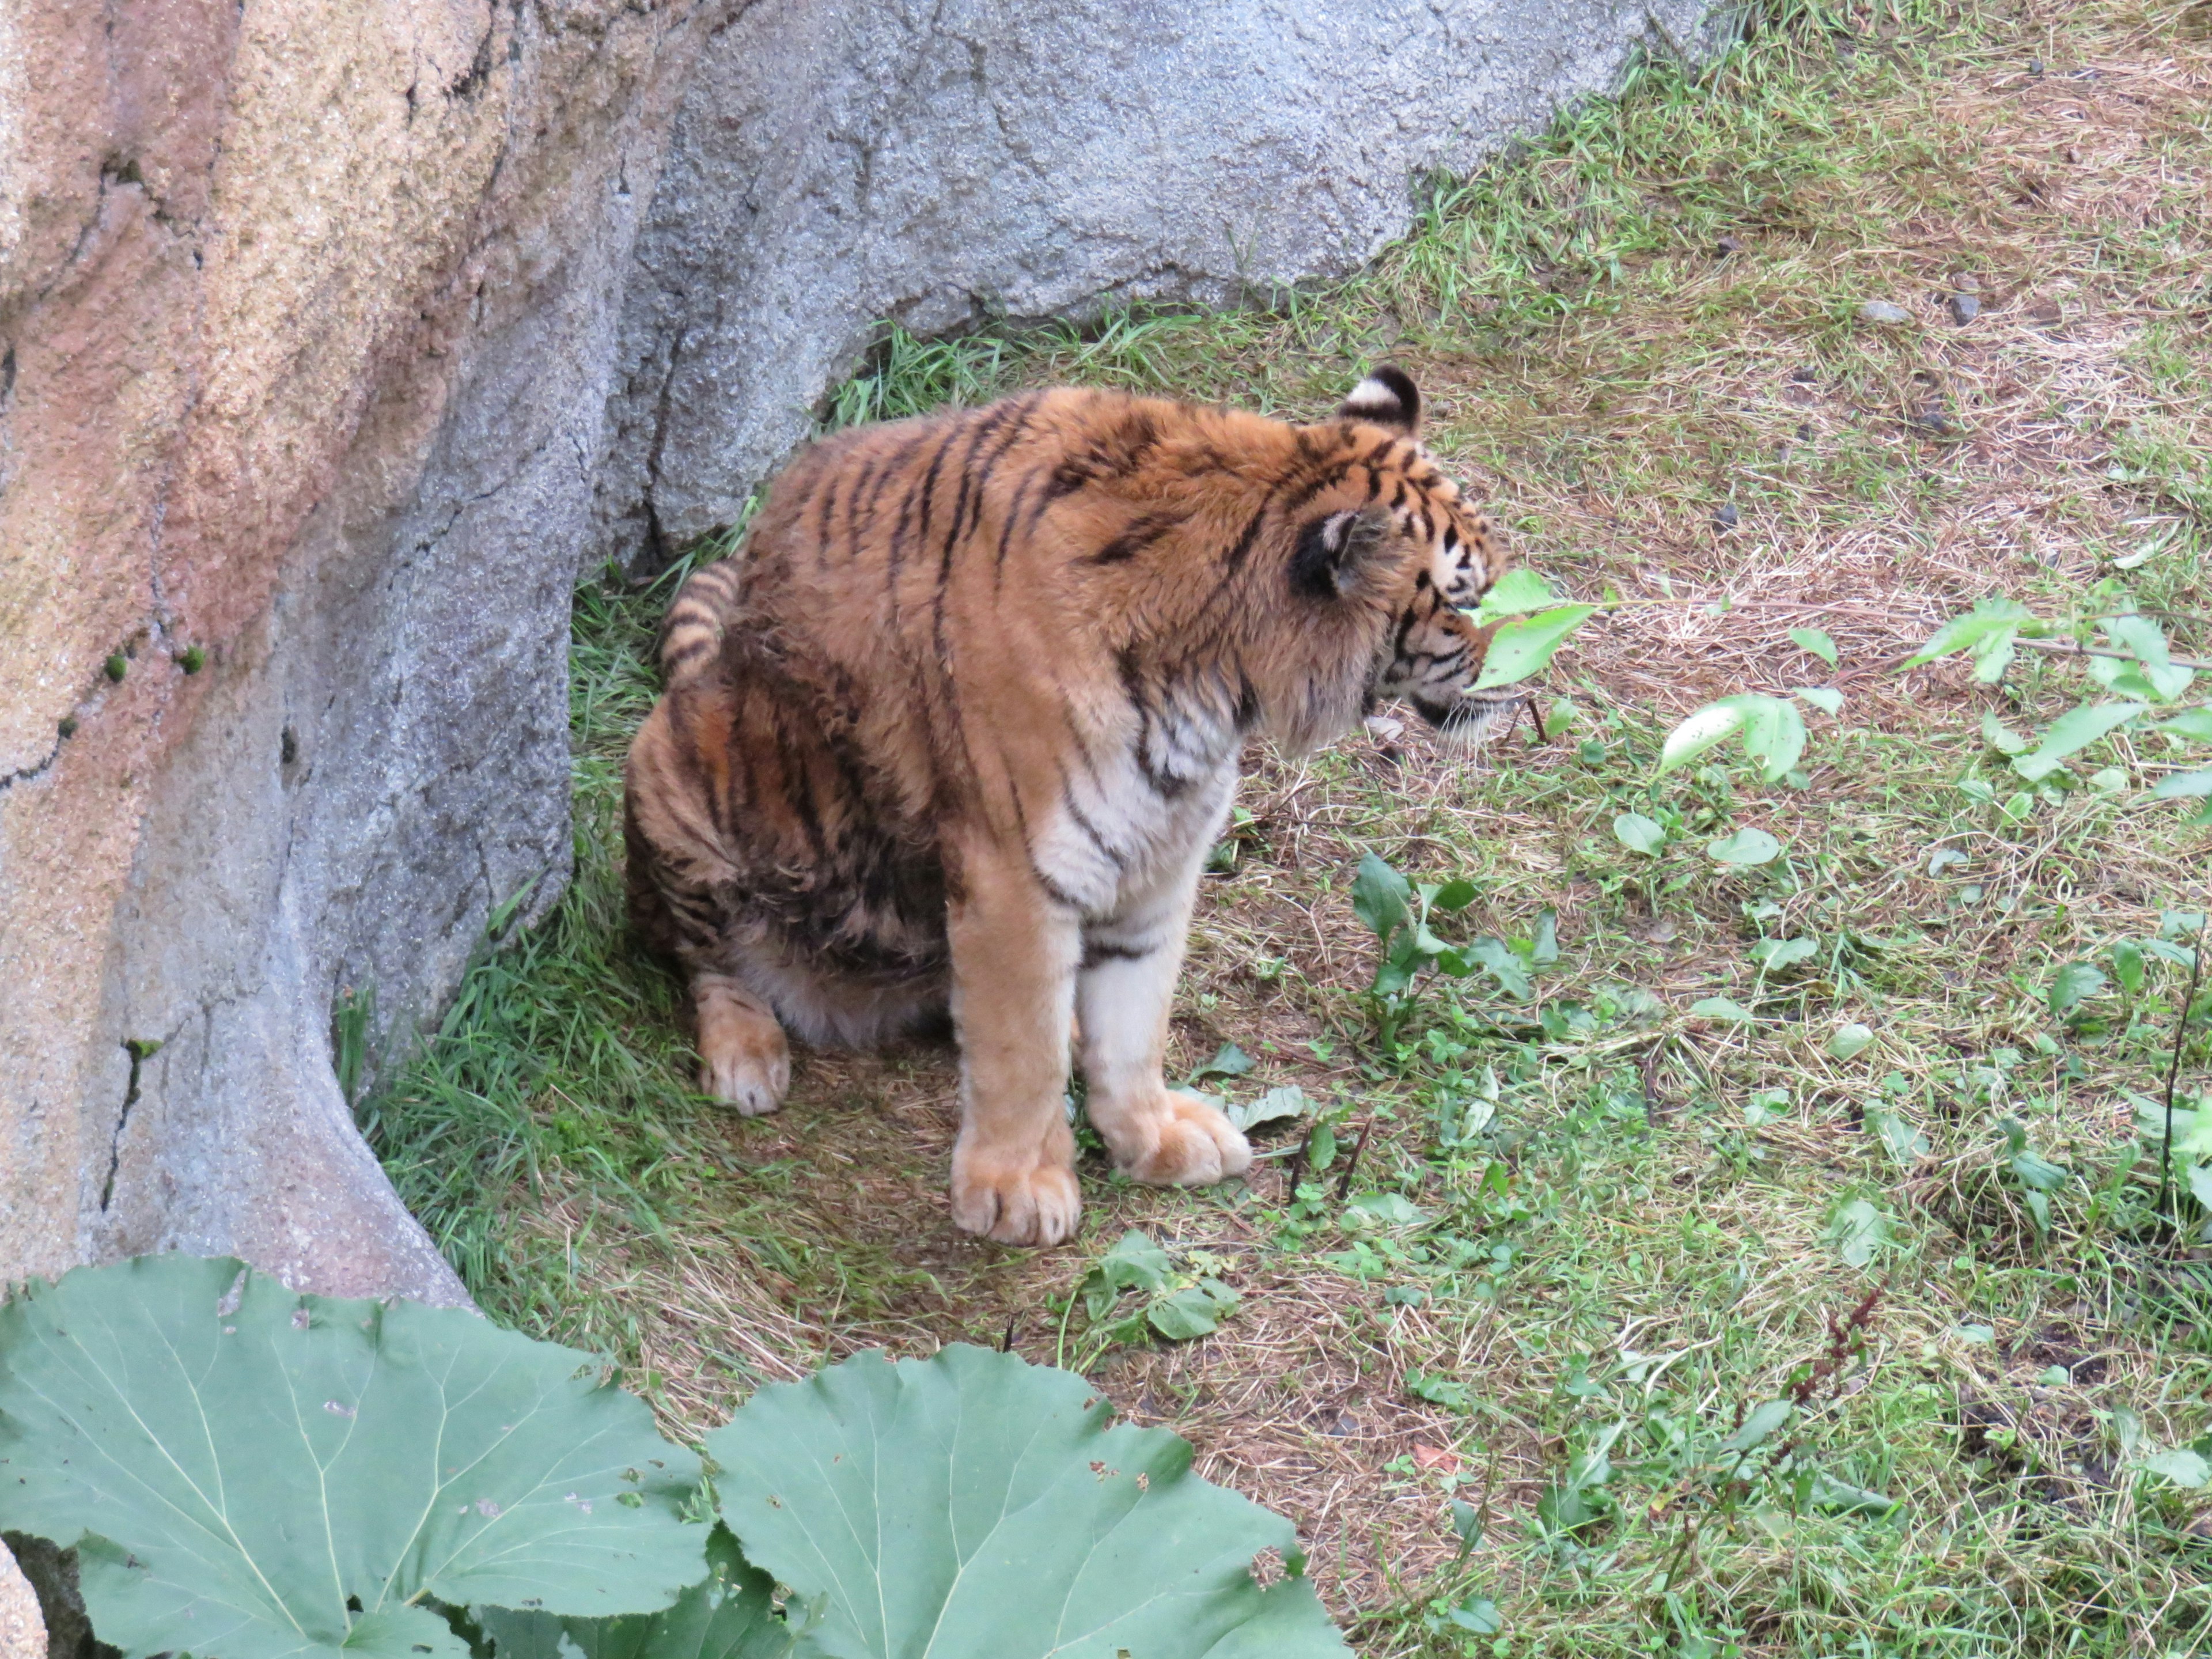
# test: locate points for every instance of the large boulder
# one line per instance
(336, 336)
(949, 163)
(307, 316)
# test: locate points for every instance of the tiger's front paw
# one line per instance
(1178, 1140)
(1015, 1195)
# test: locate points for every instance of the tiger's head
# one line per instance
(1389, 535)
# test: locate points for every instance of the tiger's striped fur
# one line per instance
(956, 730)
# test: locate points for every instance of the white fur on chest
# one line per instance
(1137, 813)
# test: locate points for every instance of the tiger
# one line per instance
(951, 737)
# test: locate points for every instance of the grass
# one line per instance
(1594, 1220)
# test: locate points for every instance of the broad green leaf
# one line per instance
(1380, 896)
(2128, 966)
(974, 1504)
(1826, 698)
(1903, 1143)
(1439, 1390)
(1746, 847)
(1699, 731)
(1135, 1263)
(1960, 633)
(239, 1461)
(2181, 955)
(1495, 958)
(1453, 896)
(1515, 593)
(2001, 737)
(1288, 1101)
(1399, 965)
(1721, 1008)
(2192, 723)
(1478, 1614)
(2071, 733)
(1466, 1521)
(2146, 640)
(1544, 948)
(1192, 1312)
(1773, 735)
(2125, 678)
(2037, 1174)
(1389, 1209)
(1776, 954)
(1815, 641)
(1524, 645)
(1639, 834)
(1857, 1231)
(2072, 982)
(2181, 1465)
(1759, 1425)
(1993, 652)
(729, 1615)
(2184, 785)
(1229, 1061)
(1849, 1041)
(1321, 1147)
(1839, 1498)
(1772, 730)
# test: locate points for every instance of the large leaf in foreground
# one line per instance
(972, 1503)
(235, 1461)
(728, 1615)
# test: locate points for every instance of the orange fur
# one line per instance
(956, 728)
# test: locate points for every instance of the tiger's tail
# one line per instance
(691, 633)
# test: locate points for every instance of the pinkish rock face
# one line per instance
(303, 341)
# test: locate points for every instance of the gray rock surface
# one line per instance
(23, 1627)
(948, 162)
(337, 335)
(308, 317)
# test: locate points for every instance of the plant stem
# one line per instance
(2174, 1073)
(2075, 648)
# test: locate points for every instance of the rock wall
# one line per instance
(307, 320)
(946, 163)
(335, 336)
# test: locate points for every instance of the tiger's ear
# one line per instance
(1335, 555)
(1386, 397)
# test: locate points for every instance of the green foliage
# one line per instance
(252, 1473)
(1524, 645)
(1770, 728)
(1397, 913)
(2134, 664)
(1178, 1305)
(1639, 834)
(1746, 847)
(974, 1504)
(1817, 641)
(728, 1614)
